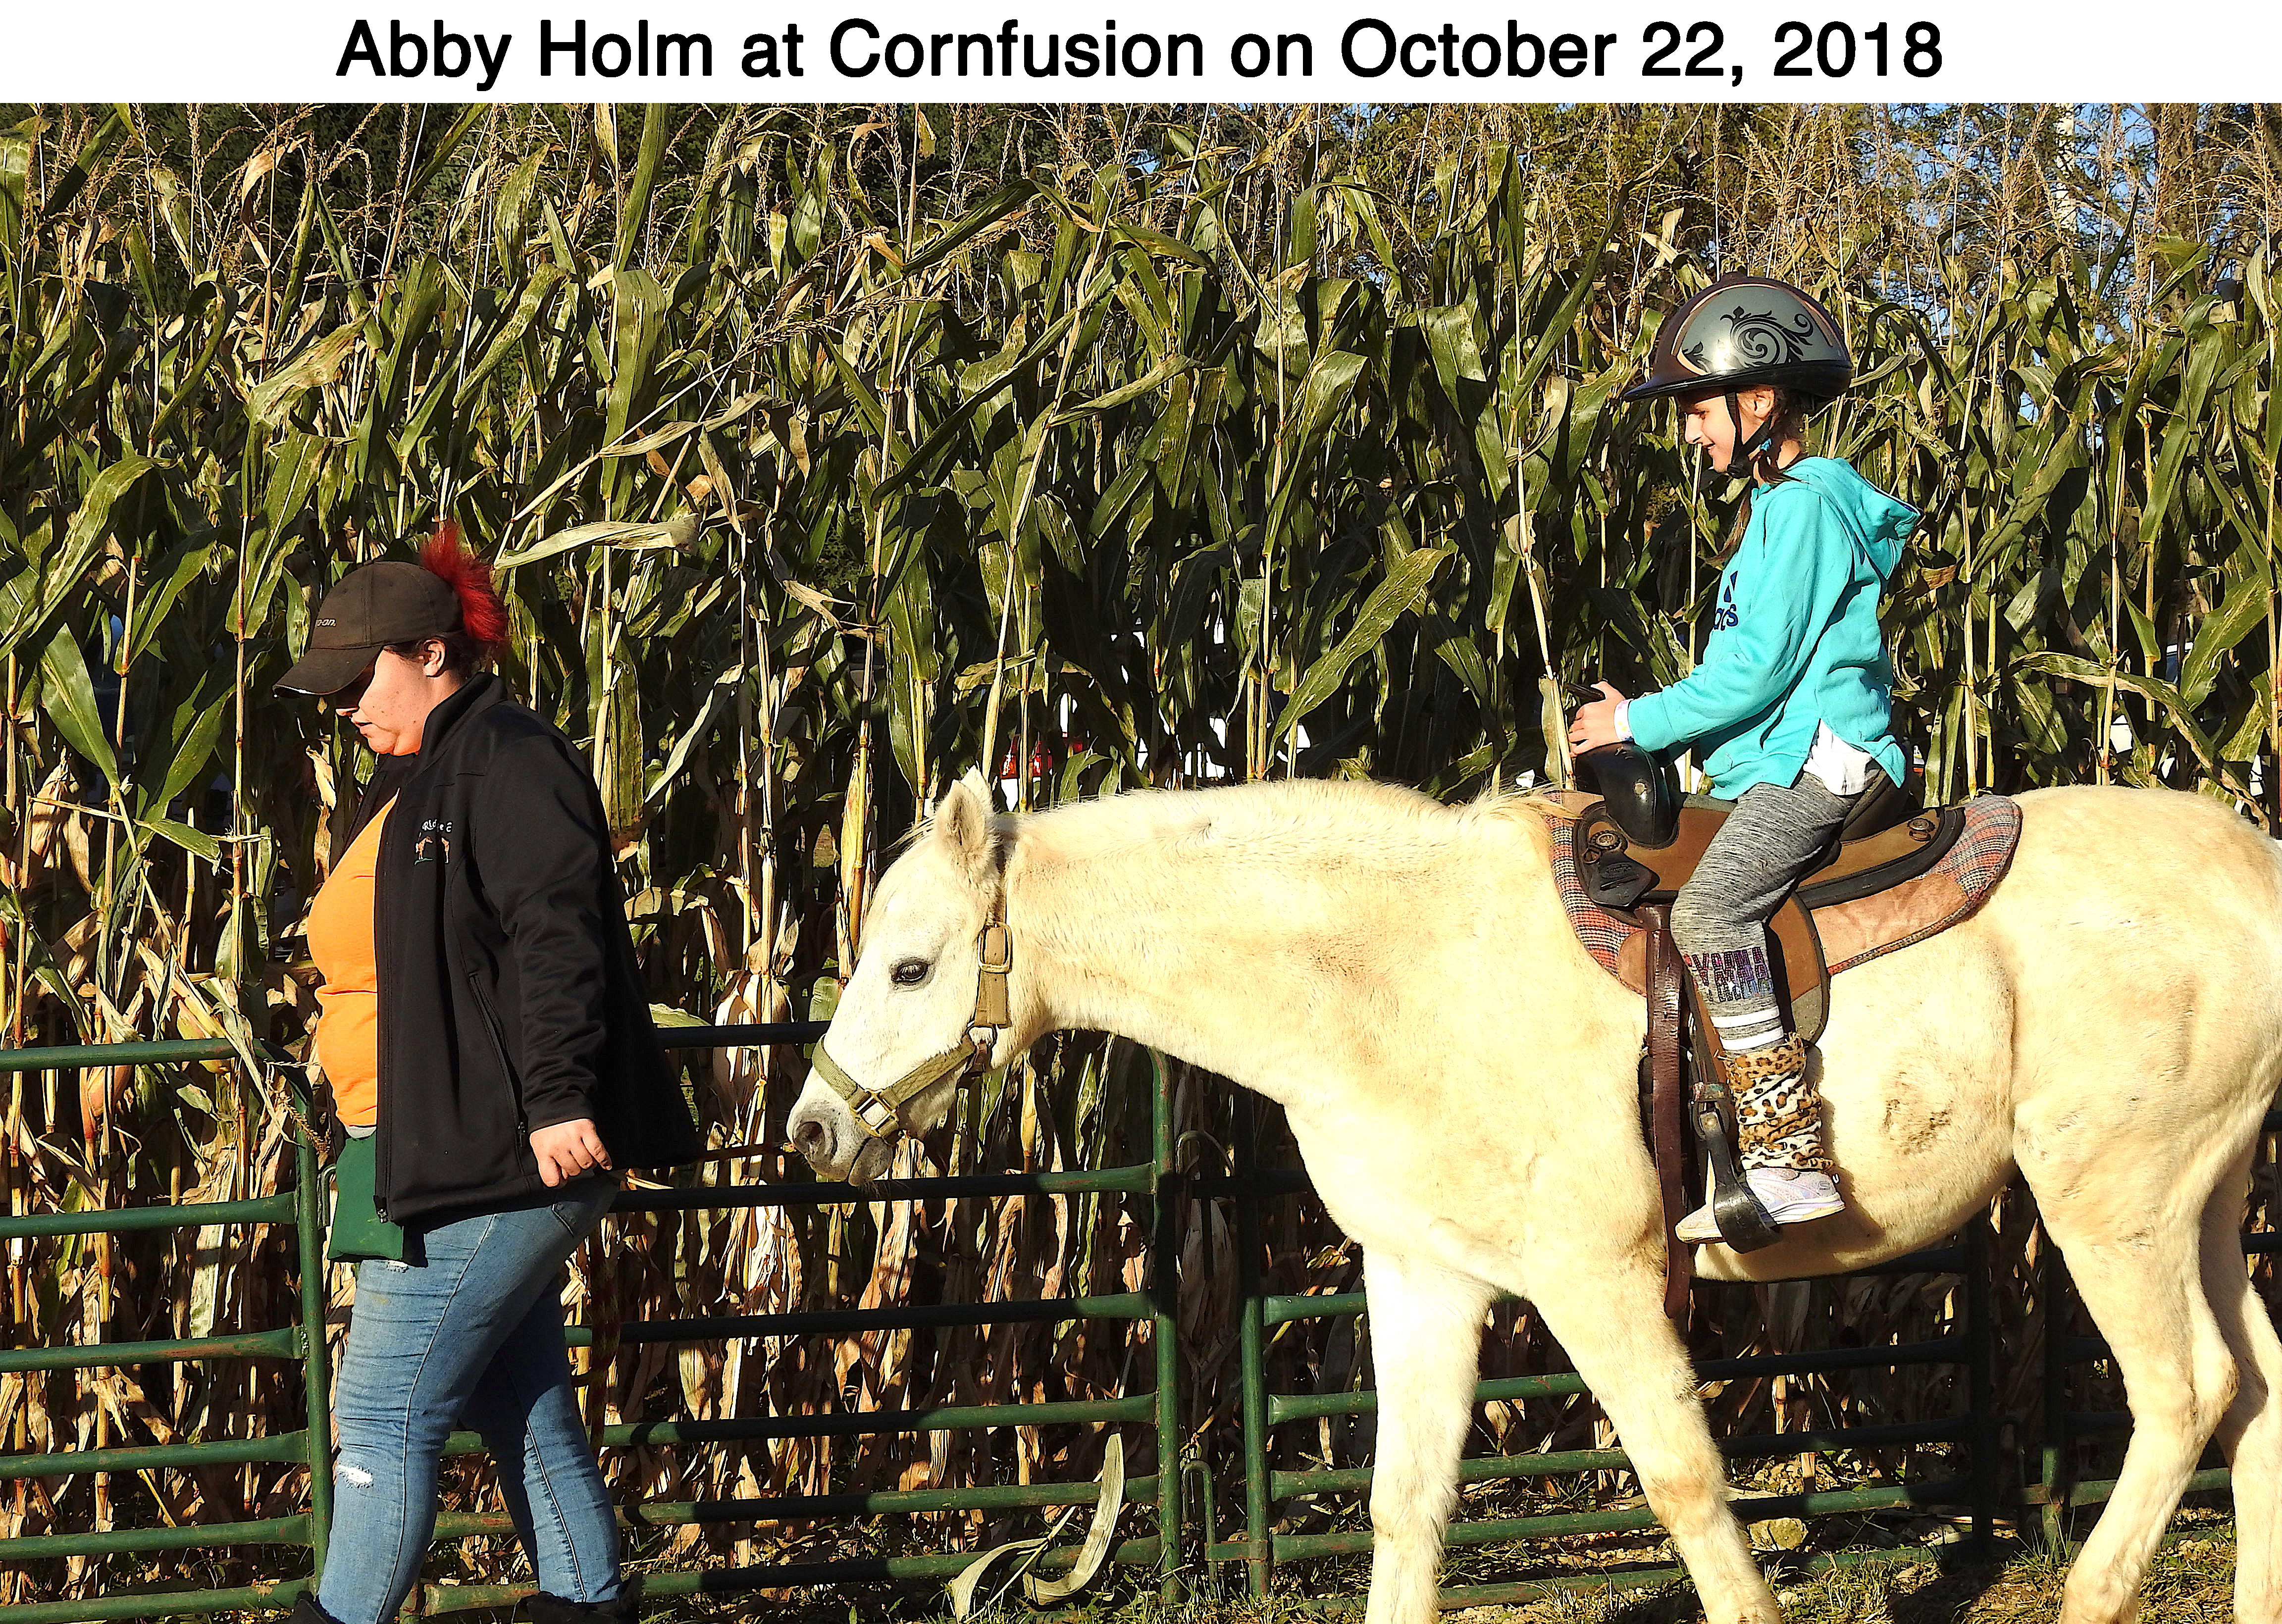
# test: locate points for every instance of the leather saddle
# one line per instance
(1634, 847)
(1642, 840)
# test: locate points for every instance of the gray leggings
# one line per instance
(1718, 921)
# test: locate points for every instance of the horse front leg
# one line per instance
(1426, 1346)
(1605, 1304)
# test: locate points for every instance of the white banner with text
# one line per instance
(959, 51)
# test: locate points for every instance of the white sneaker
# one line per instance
(1789, 1198)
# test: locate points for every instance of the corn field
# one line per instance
(825, 452)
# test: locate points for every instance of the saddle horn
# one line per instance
(1642, 793)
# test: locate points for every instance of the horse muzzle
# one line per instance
(833, 1144)
(824, 1144)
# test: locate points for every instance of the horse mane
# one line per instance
(1274, 815)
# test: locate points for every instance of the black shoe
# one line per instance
(305, 1610)
(545, 1609)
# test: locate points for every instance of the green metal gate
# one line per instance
(1158, 1409)
(303, 1341)
(1151, 1181)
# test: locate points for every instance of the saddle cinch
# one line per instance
(1896, 874)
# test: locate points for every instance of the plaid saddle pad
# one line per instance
(1851, 932)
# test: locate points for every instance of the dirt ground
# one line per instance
(2190, 1582)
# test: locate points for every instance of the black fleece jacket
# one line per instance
(508, 996)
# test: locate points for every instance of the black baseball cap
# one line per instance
(368, 608)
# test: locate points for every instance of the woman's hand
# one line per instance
(1595, 725)
(569, 1150)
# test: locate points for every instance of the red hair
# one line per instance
(468, 577)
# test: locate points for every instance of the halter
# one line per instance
(879, 1111)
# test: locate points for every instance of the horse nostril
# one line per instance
(807, 1138)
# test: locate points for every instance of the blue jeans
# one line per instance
(468, 1327)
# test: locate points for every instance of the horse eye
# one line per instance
(909, 973)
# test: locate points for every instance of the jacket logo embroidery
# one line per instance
(1725, 616)
(435, 842)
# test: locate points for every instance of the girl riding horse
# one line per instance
(1789, 711)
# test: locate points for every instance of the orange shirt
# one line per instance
(348, 1004)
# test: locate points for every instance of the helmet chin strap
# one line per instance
(1740, 459)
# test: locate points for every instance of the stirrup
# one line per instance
(1743, 1224)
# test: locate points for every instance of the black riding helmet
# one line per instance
(1739, 333)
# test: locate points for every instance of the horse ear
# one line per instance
(963, 818)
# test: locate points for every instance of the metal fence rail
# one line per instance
(1158, 1409)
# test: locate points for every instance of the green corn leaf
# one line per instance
(2186, 435)
(1095, 1548)
(658, 123)
(1331, 379)
(15, 165)
(962, 1589)
(295, 461)
(1402, 592)
(194, 841)
(223, 301)
(186, 564)
(313, 368)
(677, 535)
(67, 694)
(639, 325)
(915, 467)
(723, 691)
(2242, 611)
(1463, 655)
(195, 729)
(1171, 366)
(1161, 242)
(505, 343)
(445, 146)
(1449, 332)
(651, 442)
(60, 579)
(2177, 712)
(1003, 203)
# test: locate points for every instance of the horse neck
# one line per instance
(1230, 959)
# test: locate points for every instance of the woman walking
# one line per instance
(485, 1030)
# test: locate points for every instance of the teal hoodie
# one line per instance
(1794, 640)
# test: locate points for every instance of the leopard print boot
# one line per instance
(1778, 1117)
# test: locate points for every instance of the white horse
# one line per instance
(1460, 1076)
